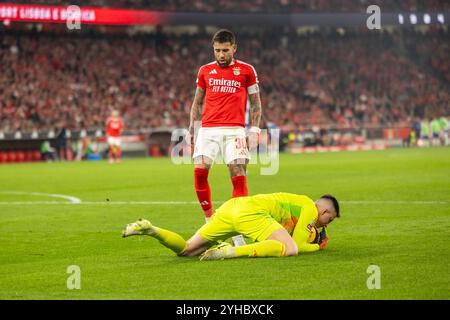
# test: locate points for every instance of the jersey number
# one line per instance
(241, 143)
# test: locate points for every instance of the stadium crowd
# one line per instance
(439, 60)
(344, 79)
(257, 6)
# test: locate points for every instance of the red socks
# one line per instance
(114, 152)
(239, 186)
(203, 191)
(118, 153)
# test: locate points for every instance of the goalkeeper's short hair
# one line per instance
(334, 201)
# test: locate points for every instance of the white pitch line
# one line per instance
(104, 202)
(72, 200)
(394, 202)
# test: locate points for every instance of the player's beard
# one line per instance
(224, 64)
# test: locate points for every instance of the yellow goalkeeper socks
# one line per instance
(266, 248)
(169, 239)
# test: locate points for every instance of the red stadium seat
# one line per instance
(20, 156)
(11, 156)
(3, 157)
(36, 156)
(29, 156)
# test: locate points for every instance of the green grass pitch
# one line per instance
(395, 214)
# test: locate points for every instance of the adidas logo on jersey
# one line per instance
(213, 71)
(204, 203)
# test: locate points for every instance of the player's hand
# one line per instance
(190, 139)
(253, 138)
(252, 141)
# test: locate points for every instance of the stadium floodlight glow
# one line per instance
(426, 18)
(401, 20)
(413, 18)
(440, 18)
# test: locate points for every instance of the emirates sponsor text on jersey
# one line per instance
(223, 85)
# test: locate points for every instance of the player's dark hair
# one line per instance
(334, 201)
(224, 35)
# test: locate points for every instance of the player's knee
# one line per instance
(203, 162)
(237, 170)
(203, 166)
(291, 250)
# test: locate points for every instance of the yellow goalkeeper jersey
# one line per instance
(296, 213)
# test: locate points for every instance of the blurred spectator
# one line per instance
(48, 153)
(444, 125)
(436, 131)
(425, 133)
(61, 142)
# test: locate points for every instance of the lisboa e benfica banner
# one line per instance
(85, 15)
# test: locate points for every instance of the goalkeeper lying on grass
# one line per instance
(280, 224)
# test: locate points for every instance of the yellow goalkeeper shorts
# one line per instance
(239, 216)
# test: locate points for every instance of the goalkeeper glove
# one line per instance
(316, 236)
(323, 239)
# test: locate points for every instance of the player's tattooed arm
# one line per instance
(197, 108)
(255, 109)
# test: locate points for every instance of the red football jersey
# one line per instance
(114, 127)
(226, 93)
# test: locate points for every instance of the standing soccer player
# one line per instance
(220, 101)
(114, 128)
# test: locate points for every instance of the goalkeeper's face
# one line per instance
(325, 219)
(224, 52)
(326, 213)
